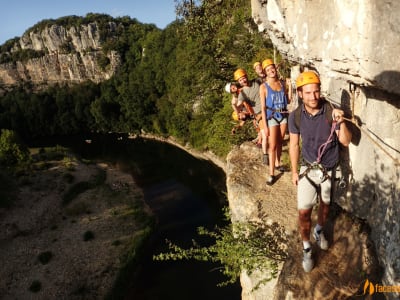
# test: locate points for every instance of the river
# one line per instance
(184, 192)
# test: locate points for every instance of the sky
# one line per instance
(18, 15)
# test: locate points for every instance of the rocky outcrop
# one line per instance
(354, 46)
(70, 55)
(350, 41)
(339, 272)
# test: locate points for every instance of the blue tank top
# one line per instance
(275, 100)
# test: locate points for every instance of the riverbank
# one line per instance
(54, 250)
(206, 155)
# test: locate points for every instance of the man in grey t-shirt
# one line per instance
(250, 93)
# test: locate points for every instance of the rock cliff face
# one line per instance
(70, 55)
(354, 46)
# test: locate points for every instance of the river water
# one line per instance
(184, 192)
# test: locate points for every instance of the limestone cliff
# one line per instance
(354, 46)
(69, 55)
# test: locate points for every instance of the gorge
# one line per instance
(354, 47)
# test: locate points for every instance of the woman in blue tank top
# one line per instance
(274, 101)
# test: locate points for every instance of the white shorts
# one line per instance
(272, 122)
(307, 194)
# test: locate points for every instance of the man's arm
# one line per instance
(294, 153)
(241, 97)
(234, 102)
(343, 132)
(263, 95)
(288, 90)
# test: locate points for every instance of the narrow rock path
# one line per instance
(339, 273)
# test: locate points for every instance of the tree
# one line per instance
(12, 151)
(237, 247)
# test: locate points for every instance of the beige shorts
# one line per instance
(307, 194)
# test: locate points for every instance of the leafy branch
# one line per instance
(252, 246)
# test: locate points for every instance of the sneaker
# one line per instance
(280, 169)
(271, 180)
(320, 239)
(308, 262)
(265, 159)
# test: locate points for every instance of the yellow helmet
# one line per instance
(256, 64)
(235, 116)
(239, 73)
(307, 77)
(267, 62)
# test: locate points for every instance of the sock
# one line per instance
(306, 244)
(318, 228)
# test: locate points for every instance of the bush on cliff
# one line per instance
(237, 247)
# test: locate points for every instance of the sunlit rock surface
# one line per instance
(69, 56)
(354, 46)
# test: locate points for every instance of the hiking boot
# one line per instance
(308, 262)
(265, 159)
(271, 180)
(320, 239)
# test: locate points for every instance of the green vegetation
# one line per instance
(75, 190)
(8, 189)
(88, 235)
(14, 158)
(45, 257)
(83, 186)
(237, 247)
(68, 177)
(129, 263)
(77, 209)
(35, 286)
(12, 151)
(170, 81)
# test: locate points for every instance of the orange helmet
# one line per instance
(239, 73)
(307, 77)
(267, 62)
(256, 64)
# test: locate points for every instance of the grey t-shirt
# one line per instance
(251, 94)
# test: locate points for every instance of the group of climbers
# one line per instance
(319, 127)
(268, 99)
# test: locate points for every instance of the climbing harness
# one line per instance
(316, 169)
(283, 111)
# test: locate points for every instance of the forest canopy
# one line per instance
(171, 81)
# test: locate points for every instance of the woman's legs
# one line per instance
(273, 139)
(279, 145)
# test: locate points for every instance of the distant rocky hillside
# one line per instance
(58, 54)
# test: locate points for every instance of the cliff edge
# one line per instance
(340, 272)
(339, 40)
